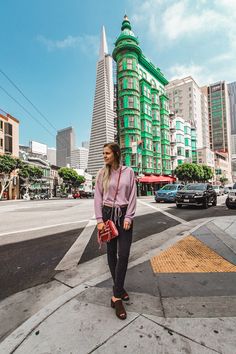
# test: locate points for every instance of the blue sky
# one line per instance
(49, 49)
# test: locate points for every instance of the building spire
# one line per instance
(103, 44)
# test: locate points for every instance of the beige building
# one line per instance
(9, 134)
(187, 100)
(206, 157)
(222, 166)
(9, 145)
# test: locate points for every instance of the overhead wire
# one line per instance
(33, 105)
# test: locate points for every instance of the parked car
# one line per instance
(167, 193)
(231, 199)
(219, 190)
(197, 194)
(76, 195)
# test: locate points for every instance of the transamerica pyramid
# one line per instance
(102, 130)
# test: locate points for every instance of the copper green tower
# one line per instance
(143, 115)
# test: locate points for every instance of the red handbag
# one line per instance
(109, 231)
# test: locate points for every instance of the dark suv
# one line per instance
(196, 194)
(231, 198)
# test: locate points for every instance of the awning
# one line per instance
(156, 179)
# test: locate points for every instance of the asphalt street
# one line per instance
(35, 236)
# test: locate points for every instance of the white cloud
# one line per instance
(174, 25)
(86, 43)
(199, 73)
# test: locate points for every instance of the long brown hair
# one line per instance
(106, 171)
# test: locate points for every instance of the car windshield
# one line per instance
(195, 187)
(216, 187)
(169, 187)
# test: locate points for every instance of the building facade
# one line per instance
(219, 117)
(142, 109)
(181, 141)
(9, 135)
(187, 100)
(102, 130)
(220, 125)
(79, 158)
(232, 103)
(65, 143)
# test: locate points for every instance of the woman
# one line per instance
(122, 214)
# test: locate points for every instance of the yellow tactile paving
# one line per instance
(190, 256)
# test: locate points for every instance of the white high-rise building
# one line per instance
(79, 158)
(102, 130)
(52, 155)
(187, 100)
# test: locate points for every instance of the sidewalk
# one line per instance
(182, 300)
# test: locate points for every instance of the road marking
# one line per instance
(42, 227)
(72, 257)
(182, 221)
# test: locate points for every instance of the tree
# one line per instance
(70, 177)
(223, 180)
(30, 174)
(189, 172)
(8, 165)
(208, 173)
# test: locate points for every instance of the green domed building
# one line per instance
(142, 109)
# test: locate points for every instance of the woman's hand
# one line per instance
(100, 226)
(127, 225)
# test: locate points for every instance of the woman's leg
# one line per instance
(124, 244)
(112, 257)
(111, 246)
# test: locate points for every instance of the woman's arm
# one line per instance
(98, 198)
(132, 199)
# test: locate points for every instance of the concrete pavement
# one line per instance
(172, 309)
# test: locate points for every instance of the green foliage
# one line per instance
(208, 173)
(8, 164)
(70, 177)
(191, 172)
(187, 172)
(30, 172)
(223, 180)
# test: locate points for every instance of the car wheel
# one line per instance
(214, 203)
(179, 206)
(205, 204)
(157, 201)
(227, 203)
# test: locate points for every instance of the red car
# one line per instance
(76, 195)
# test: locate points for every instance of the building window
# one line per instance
(131, 122)
(1, 125)
(121, 120)
(8, 129)
(8, 144)
(120, 66)
(121, 103)
(130, 102)
(129, 63)
(1, 143)
(122, 141)
(133, 160)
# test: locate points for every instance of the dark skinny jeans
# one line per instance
(118, 261)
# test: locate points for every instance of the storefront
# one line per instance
(148, 185)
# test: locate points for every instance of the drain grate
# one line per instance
(190, 256)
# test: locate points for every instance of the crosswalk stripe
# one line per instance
(72, 257)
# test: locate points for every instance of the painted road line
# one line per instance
(43, 227)
(72, 257)
(182, 221)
